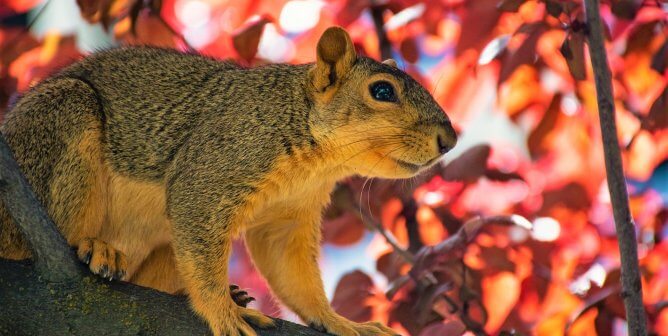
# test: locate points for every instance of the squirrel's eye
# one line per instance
(383, 91)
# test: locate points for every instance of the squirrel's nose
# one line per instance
(446, 138)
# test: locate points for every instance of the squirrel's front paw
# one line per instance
(240, 296)
(237, 322)
(102, 259)
(341, 326)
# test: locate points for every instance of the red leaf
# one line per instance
(55, 52)
(640, 37)
(660, 59)
(657, 119)
(596, 300)
(351, 10)
(18, 6)
(469, 166)
(498, 175)
(510, 5)
(604, 322)
(573, 196)
(247, 40)
(525, 54)
(432, 16)
(500, 294)
(573, 52)
(479, 21)
(390, 265)
(544, 127)
(343, 230)
(150, 29)
(7, 92)
(554, 8)
(450, 328)
(89, 8)
(13, 43)
(625, 9)
(351, 295)
(496, 259)
(650, 13)
(409, 50)
(613, 303)
(403, 313)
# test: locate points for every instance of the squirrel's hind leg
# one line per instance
(79, 196)
(70, 176)
(55, 134)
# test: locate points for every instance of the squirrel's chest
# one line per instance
(292, 203)
(291, 194)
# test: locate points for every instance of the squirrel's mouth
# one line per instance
(412, 167)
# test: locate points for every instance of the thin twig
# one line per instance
(372, 224)
(383, 42)
(630, 274)
(409, 212)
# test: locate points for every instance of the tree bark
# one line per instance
(94, 306)
(626, 234)
(55, 295)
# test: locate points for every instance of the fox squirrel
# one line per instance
(151, 161)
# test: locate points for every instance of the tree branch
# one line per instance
(94, 306)
(630, 274)
(59, 297)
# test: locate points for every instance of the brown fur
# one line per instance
(159, 271)
(137, 222)
(87, 220)
(150, 162)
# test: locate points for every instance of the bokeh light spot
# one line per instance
(300, 15)
(545, 229)
(193, 13)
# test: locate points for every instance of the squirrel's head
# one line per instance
(376, 118)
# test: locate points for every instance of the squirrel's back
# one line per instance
(151, 99)
(128, 111)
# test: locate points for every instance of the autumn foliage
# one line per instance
(514, 233)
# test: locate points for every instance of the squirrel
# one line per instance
(151, 161)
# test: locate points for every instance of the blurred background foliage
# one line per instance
(513, 233)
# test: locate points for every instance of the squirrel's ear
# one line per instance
(391, 62)
(335, 57)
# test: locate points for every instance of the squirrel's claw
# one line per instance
(102, 259)
(240, 297)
